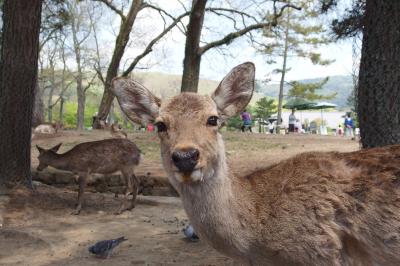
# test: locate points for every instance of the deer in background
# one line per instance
(117, 132)
(48, 128)
(313, 209)
(102, 157)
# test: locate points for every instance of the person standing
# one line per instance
(348, 126)
(246, 118)
(292, 122)
(271, 127)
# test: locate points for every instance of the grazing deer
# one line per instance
(102, 157)
(117, 131)
(313, 209)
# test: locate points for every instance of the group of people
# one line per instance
(296, 126)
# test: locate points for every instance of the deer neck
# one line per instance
(59, 161)
(213, 208)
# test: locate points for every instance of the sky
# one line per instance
(216, 65)
(167, 55)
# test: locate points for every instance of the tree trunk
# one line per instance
(18, 77)
(192, 60)
(80, 92)
(38, 108)
(61, 112)
(283, 73)
(80, 123)
(379, 85)
(51, 92)
(112, 71)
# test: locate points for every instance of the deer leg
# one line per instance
(132, 185)
(82, 185)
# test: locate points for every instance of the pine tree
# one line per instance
(309, 91)
(297, 34)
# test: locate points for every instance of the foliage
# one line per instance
(264, 108)
(308, 91)
(297, 34)
(351, 23)
(234, 123)
(70, 114)
(342, 85)
(54, 16)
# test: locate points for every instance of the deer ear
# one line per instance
(235, 90)
(39, 149)
(55, 148)
(137, 102)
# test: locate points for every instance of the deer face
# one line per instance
(46, 156)
(189, 136)
(188, 124)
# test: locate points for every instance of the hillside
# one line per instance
(167, 85)
(342, 85)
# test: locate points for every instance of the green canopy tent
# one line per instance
(321, 106)
(298, 104)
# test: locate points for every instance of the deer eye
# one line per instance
(161, 127)
(212, 121)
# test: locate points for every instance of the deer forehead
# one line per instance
(189, 107)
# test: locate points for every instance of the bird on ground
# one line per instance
(103, 249)
(190, 234)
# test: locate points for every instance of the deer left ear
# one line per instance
(40, 149)
(235, 90)
(55, 148)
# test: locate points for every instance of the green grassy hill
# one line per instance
(167, 85)
(342, 85)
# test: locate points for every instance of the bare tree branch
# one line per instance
(234, 11)
(113, 8)
(149, 47)
(91, 82)
(162, 11)
(61, 95)
(227, 39)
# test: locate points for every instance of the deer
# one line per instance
(313, 209)
(117, 132)
(103, 157)
(48, 128)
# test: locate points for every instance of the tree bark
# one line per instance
(379, 78)
(192, 60)
(51, 91)
(38, 107)
(112, 71)
(18, 77)
(80, 92)
(284, 69)
(61, 111)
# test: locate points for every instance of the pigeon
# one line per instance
(190, 234)
(104, 248)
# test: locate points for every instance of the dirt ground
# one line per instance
(36, 228)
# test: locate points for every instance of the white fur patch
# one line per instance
(196, 175)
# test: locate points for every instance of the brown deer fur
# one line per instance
(102, 157)
(313, 209)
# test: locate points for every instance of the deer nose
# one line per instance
(186, 160)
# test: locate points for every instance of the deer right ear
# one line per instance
(235, 90)
(39, 149)
(137, 102)
(56, 148)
